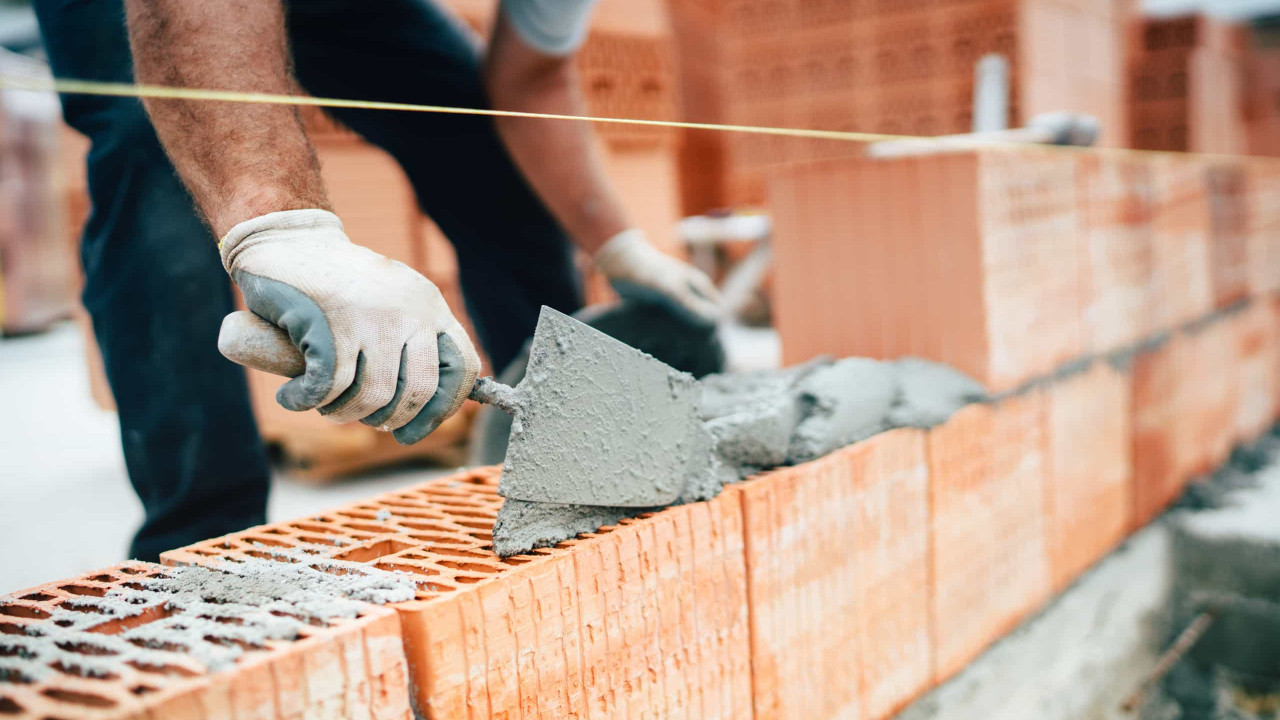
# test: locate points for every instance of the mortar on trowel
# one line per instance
(596, 423)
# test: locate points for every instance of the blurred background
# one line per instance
(1197, 76)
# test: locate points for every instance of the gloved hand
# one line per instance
(379, 341)
(638, 270)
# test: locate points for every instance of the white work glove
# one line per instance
(639, 271)
(379, 342)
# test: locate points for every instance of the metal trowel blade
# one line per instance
(601, 423)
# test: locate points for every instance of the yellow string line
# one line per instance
(94, 87)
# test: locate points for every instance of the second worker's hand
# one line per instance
(378, 339)
(638, 270)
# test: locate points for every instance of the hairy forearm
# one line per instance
(561, 159)
(238, 160)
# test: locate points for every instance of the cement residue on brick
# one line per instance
(205, 619)
(523, 526)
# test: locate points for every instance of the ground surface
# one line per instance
(66, 506)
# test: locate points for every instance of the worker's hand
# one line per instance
(638, 270)
(379, 342)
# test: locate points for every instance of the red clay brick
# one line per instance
(1115, 196)
(351, 668)
(588, 629)
(837, 558)
(1207, 397)
(1181, 288)
(990, 560)
(1087, 479)
(985, 242)
(1158, 477)
(1257, 362)
(1263, 213)
(1228, 232)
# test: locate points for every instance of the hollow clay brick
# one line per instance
(1157, 476)
(1227, 184)
(1208, 395)
(954, 257)
(1087, 474)
(1257, 363)
(648, 618)
(989, 556)
(351, 668)
(1185, 410)
(1115, 197)
(1181, 288)
(837, 560)
(1263, 214)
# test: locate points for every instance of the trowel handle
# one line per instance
(250, 341)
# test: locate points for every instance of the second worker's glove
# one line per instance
(379, 341)
(639, 271)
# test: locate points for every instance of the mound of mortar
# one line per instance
(767, 419)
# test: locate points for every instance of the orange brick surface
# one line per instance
(1158, 476)
(1115, 197)
(1087, 474)
(351, 668)
(1181, 289)
(645, 619)
(1257, 363)
(1208, 394)
(989, 556)
(1263, 214)
(966, 258)
(837, 558)
(1228, 232)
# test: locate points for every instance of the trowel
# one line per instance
(595, 421)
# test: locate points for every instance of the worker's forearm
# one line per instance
(560, 158)
(238, 160)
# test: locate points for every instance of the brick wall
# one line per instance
(843, 587)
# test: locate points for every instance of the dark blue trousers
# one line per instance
(157, 291)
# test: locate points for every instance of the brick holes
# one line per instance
(374, 551)
(78, 698)
(22, 611)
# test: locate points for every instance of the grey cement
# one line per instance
(748, 422)
(213, 615)
(1081, 656)
(600, 423)
(766, 419)
(842, 403)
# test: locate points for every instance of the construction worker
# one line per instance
(381, 346)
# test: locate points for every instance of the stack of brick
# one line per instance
(842, 587)
(846, 586)
(876, 66)
(1187, 88)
